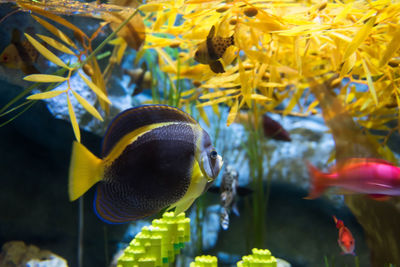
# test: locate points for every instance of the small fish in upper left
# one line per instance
(345, 240)
(19, 55)
(210, 51)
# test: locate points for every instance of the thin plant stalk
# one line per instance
(80, 232)
(106, 256)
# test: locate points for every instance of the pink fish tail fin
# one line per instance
(318, 186)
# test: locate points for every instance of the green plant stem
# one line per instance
(19, 114)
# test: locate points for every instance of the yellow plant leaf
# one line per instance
(44, 78)
(392, 47)
(271, 84)
(216, 110)
(151, 7)
(233, 113)
(46, 95)
(87, 106)
(56, 44)
(342, 15)
(215, 101)
(45, 52)
(166, 57)
(203, 115)
(219, 93)
(95, 89)
(121, 51)
(188, 92)
(359, 38)
(348, 65)
(312, 106)
(293, 101)
(53, 17)
(244, 80)
(259, 97)
(117, 41)
(217, 80)
(398, 105)
(370, 83)
(340, 36)
(351, 95)
(55, 31)
(98, 80)
(74, 122)
(162, 17)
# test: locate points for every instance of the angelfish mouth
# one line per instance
(219, 164)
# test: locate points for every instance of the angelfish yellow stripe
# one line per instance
(130, 138)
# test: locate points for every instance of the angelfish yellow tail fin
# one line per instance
(84, 171)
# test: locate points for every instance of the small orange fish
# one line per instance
(345, 240)
(19, 55)
(210, 51)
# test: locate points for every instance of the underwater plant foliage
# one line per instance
(281, 50)
(277, 46)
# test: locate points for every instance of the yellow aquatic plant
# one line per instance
(85, 61)
(278, 45)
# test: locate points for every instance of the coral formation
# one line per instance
(17, 253)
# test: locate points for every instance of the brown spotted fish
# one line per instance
(210, 51)
(19, 55)
(229, 191)
(153, 157)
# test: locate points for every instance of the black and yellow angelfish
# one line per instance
(153, 156)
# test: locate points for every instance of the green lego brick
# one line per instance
(147, 262)
(157, 244)
(205, 261)
(260, 257)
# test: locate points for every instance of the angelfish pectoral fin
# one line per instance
(182, 205)
(216, 66)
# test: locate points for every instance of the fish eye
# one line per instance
(213, 154)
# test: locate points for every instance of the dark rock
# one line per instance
(34, 206)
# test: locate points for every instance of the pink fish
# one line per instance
(345, 240)
(377, 178)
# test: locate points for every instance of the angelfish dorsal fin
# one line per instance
(134, 118)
